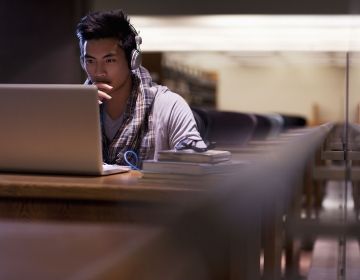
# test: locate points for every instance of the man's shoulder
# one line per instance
(167, 103)
(165, 95)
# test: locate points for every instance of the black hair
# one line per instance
(107, 24)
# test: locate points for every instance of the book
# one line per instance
(177, 180)
(189, 155)
(178, 167)
(183, 179)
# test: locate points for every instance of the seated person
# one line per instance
(136, 114)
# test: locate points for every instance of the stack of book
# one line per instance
(189, 162)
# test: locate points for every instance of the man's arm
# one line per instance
(177, 119)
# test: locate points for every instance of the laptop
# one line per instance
(49, 128)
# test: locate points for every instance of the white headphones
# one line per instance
(135, 60)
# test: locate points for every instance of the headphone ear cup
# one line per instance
(135, 53)
(135, 59)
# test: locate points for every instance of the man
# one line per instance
(136, 114)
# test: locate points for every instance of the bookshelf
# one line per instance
(198, 87)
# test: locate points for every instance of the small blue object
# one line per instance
(127, 157)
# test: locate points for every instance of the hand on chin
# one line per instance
(104, 88)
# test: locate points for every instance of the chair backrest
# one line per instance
(293, 121)
(202, 122)
(277, 124)
(263, 127)
(230, 128)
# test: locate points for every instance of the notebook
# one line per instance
(51, 128)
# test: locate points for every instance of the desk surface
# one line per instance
(113, 198)
(107, 188)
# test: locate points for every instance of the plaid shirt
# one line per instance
(135, 133)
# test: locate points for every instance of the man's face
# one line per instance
(105, 62)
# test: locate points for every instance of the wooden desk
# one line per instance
(188, 249)
(221, 227)
(108, 198)
(195, 227)
(45, 251)
(340, 155)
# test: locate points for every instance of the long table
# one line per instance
(219, 222)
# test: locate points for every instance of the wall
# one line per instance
(354, 87)
(284, 89)
(283, 82)
(38, 42)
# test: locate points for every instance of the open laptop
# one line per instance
(51, 128)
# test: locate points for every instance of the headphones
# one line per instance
(135, 59)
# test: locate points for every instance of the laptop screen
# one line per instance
(50, 128)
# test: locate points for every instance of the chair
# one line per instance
(277, 124)
(202, 122)
(293, 121)
(230, 129)
(263, 127)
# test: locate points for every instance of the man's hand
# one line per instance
(103, 90)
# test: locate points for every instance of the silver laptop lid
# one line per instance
(50, 128)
